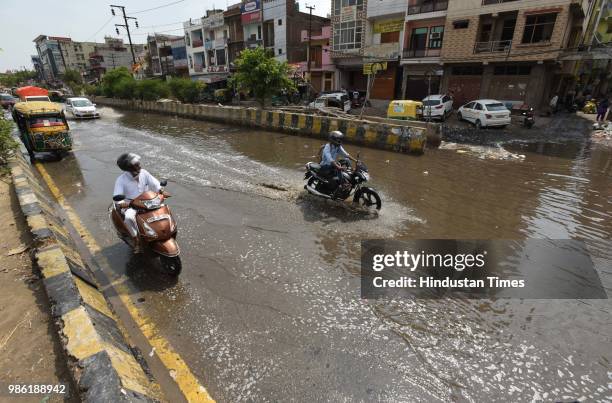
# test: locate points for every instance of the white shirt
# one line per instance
(132, 187)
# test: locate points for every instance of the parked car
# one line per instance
(82, 108)
(437, 106)
(334, 100)
(7, 100)
(485, 113)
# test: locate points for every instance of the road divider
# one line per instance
(402, 137)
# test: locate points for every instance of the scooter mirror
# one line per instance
(163, 183)
(118, 198)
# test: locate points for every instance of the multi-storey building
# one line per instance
(206, 42)
(508, 49)
(179, 57)
(322, 69)
(160, 52)
(111, 54)
(52, 58)
(425, 21)
(235, 37)
(348, 20)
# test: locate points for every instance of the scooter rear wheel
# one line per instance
(171, 265)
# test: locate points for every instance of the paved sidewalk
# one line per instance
(30, 351)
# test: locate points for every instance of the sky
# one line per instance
(90, 20)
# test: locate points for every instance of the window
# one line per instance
(220, 57)
(280, 51)
(339, 4)
(347, 35)
(389, 37)
(469, 106)
(435, 37)
(280, 21)
(539, 28)
(478, 107)
(461, 24)
(259, 32)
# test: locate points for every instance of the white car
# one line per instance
(82, 108)
(485, 113)
(332, 100)
(437, 106)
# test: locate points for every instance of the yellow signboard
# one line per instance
(373, 68)
(388, 26)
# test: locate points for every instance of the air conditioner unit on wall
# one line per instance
(435, 35)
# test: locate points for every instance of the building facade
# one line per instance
(206, 42)
(322, 68)
(235, 38)
(111, 54)
(422, 48)
(507, 50)
(161, 60)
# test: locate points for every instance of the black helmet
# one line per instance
(336, 137)
(127, 161)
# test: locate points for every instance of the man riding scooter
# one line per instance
(330, 168)
(131, 183)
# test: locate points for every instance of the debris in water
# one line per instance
(272, 186)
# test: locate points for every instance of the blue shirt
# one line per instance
(331, 152)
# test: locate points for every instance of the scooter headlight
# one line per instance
(153, 203)
(365, 176)
(148, 230)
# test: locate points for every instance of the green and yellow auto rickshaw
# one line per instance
(43, 127)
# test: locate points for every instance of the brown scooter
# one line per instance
(157, 227)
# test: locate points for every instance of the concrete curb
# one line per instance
(402, 138)
(101, 361)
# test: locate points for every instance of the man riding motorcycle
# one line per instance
(131, 183)
(330, 168)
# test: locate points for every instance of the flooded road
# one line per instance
(268, 306)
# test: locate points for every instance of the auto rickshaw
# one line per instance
(43, 127)
(405, 110)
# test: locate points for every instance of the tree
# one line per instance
(259, 72)
(74, 80)
(114, 80)
(17, 78)
(186, 90)
(151, 90)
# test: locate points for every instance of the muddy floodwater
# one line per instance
(268, 306)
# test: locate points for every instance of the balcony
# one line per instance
(383, 50)
(208, 44)
(253, 43)
(196, 43)
(220, 43)
(492, 46)
(428, 7)
(419, 53)
(198, 68)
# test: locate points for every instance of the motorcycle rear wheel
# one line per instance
(367, 198)
(171, 265)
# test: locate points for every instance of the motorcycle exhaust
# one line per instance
(314, 192)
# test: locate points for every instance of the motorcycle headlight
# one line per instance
(153, 203)
(365, 176)
(148, 230)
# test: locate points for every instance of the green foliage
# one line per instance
(7, 142)
(125, 88)
(112, 78)
(186, 90)
(92, 89)
(259, 72)
(74, 81)
(152, 90)
(17, 78)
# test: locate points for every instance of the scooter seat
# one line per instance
(314, 166)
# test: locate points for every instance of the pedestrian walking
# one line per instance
(602, 109)
(553, 104)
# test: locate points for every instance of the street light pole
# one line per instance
(308, 51)
(127, 28)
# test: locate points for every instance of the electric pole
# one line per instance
(308, 51)
(126, 26)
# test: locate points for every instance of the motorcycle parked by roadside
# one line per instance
(353, 180)
(157, 228)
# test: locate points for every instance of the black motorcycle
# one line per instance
(351, 183)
